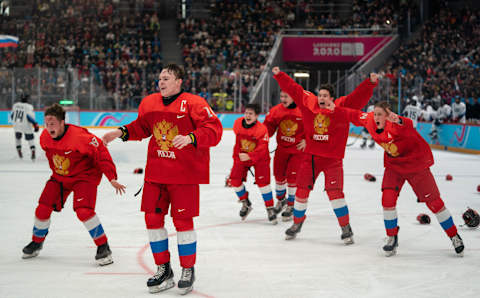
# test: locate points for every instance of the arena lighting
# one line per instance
(301, 75)
(66, 102)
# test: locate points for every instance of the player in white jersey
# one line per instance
(412, 111)
(365, 135)
(23, 120)
(459, 111)
(444, 113)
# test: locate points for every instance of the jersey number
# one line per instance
(18, 115)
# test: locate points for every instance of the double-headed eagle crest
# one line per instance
(164, 133)
(61, 164)
(288, 127)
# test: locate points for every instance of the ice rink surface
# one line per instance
(241, 259)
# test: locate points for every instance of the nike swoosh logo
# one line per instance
(333, 182)
(427, 195)
(181, 210)
(68, 152)
(78, 200)
(180, 116)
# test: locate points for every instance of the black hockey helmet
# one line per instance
(471, 218)
(24, 97)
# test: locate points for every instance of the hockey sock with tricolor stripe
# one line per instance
(187, 248)
(390, 219)
(341, 211)
(280, 189)
(267, 195)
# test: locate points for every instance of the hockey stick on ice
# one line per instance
(353, 142)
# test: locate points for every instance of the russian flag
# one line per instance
(8, 41)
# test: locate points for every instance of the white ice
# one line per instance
(235, 258)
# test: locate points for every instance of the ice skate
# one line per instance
(347, 234)
(293, 231)
(104, 255)
(280, 205)
(185, 284)
(272, 215)
(288, 213)
(458, 245)
(162, 280)
(32, 250)
(364, 144)
(33, 155)
(372, 144)
(19, 151)
(390, 248)
(246, 208)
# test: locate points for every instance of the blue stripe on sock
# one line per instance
(298, 213)
(281, 192)
(340, 212)
(159, 246)
(40, 233)
(291, 198)
(96, 232)
(390, 224)
(241, 193)
(267, 196)
(447, 224)
(187, 249)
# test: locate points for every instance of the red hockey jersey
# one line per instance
(253, 140)
(289, 124)
(405, 149)
(326, 131)
(186, 114)
(78, 155)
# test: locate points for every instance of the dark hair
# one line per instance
(253, 106)
(329, 88)
(55, 110)
(383, 104)
(177, 70)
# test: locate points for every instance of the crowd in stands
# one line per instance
(443, 62)
(225, 53)
(93, 41)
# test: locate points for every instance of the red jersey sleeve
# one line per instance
(407, 123)
(270, 122)
(288, 85)
(359, 97)
(209, 129)
(356, 117)
(262, 145)
(95, 149)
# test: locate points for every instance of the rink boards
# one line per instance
(454, 137)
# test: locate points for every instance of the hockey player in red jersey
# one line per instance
(183, 128)
(407, 158)
(77, 159)
(326, 132)
(286, 120)
(251, 150)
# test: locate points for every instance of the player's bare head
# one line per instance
(380, 113)
(285, 99)
(325, 95)
(252, 110)
(170, 80)
(55, 120)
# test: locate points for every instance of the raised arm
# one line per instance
(288, 85)
(359, 98)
